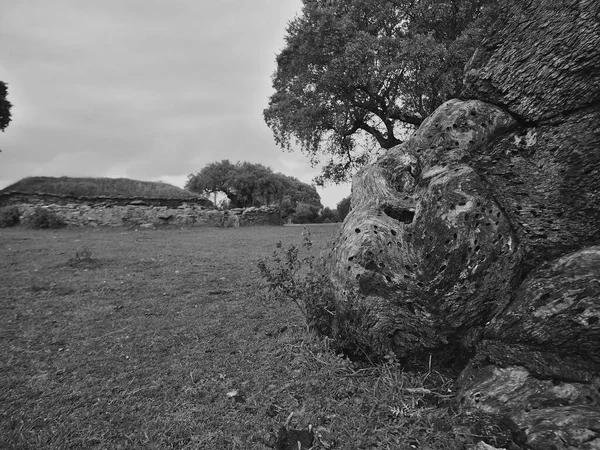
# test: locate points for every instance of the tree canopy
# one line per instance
(248, 184)
(5, 106)
(356, 76)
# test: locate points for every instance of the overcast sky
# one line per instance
(143, 89)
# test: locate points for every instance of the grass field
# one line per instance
(158, 339)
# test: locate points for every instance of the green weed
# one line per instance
(296, 275)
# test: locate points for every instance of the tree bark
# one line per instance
(476, 242)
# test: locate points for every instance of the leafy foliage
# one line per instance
(343, 208)
(45, 218)
(296, 275)
(329, 215)
(306, 213)
(9, 216)
(356, 75)
(5, 106)
(248, 184)
(84, 259)
(94, 187)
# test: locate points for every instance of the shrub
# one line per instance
(301, 280)
(306, 213)
(45, 218)
(328, 215)
(304, 281)
(9, 216)
(84, 259)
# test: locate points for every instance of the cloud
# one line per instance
(148, 90)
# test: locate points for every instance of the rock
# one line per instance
(290, 439)
(131, 212)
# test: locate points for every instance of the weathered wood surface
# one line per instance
(426, 247)
(540, 60)
(547, 180)
(477, 241)
(552, 327)
(549, 414)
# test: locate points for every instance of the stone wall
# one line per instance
(138, 212)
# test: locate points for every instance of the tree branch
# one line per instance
(384, 142)
(397, 114)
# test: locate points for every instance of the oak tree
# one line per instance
(249, 184)
(356, 76)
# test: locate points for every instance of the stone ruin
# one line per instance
(476, 243)
(139, 212)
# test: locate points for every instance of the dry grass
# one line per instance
(122, 339)
(93, 187)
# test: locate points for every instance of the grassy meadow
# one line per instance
(159, 339)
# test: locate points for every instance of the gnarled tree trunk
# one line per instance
(477, 240)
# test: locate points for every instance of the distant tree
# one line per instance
(343, 208)
(296, 192)
(248, 184)
(355, 75)
(212, 179)
(254, 185)
(5, 106)
(306, 213)
(329, 215)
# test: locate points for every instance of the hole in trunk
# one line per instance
(400, 214)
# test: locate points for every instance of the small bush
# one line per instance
(84, 254)
(304, 281)
(84, 259)
(306, 213)
(45, 218)
(301, 280)
(9, 216)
